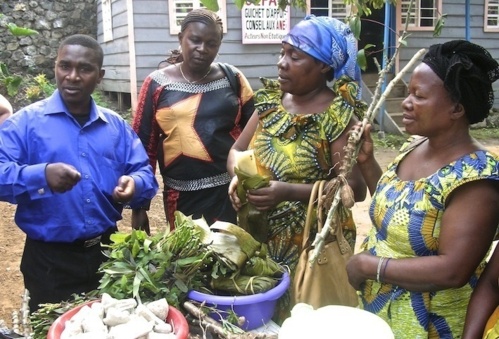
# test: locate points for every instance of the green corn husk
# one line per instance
(257, 266)
(249, 218)
(243, 284)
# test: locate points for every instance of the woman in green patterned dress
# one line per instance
(299, 130)
(434, 210)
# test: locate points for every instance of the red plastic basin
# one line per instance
(175, 318)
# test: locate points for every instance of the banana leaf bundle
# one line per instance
(249, 218)
(227, 250)
(263, 267)
(243, 284)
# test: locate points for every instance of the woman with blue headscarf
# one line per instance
(299, 130)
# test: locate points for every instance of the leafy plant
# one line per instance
(11, 82)
(99, 98)
(485, 133)
(392, 141)
(41, 88)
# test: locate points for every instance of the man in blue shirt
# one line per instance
(70, 166)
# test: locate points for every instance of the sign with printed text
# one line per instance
(264, 23)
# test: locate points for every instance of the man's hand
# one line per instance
(140, 220)
(125, 190)
(61, 177)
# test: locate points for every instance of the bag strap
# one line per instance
(315, 195)
(233, 80)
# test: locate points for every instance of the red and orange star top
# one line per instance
(182, 136)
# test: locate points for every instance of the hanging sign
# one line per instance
(264, 23)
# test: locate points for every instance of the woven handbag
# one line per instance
(326, 281)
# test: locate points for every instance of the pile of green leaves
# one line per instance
(148, 268)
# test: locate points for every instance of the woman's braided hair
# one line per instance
(202, 15)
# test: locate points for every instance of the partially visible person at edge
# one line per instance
(70, 165)
(188, 117)
(299, 130)
(482, 316)
(434, 210)
(5, 109)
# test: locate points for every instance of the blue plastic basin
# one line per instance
(257, 309)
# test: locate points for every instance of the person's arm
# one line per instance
(484, 300)
(355, 179)
(146, 127)
(366, 162)
(144, 121)
(468, 226)
(20, 180)
(242, 142)
(5, 109)
(136, 165)
(247, 100)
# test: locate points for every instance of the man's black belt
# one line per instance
(87, 243)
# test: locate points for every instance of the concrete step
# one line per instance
(371, 80)
(397, 118)
(393, 104)
(398, 91)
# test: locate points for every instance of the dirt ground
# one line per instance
(12, 239)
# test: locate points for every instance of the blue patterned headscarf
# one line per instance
(328, 40)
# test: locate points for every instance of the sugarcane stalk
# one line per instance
(25, 314)
(353, 147)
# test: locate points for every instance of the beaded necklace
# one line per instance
(195, 81)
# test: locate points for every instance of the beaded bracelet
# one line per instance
(384, 269)
(380, 262)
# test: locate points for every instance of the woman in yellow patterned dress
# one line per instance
(299, 130)
(434, 210)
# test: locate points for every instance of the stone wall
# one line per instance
(54, 20)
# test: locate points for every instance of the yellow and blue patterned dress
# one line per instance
(406, 216)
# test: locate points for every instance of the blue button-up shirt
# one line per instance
(103, 150)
